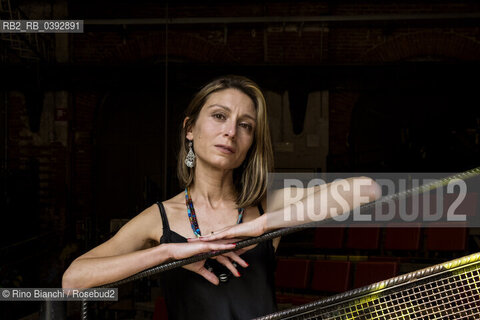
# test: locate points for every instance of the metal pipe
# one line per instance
(165, 119)
(240, 20)
(5, 146)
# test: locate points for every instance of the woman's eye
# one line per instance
(246, 126)
(219, 116)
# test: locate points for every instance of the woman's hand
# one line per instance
(232, 233)
(229, 260)
(179, 251)
(185, 250)
(199, 267)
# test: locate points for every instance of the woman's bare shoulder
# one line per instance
(174, 205)
(152, 220)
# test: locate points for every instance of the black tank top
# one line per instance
(190, 296)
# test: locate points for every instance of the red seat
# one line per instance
(386, 259)
(292, 273)
(294, 299)
(446, 239)
(160, 311)
(402, 238)
(329, 238)
(331, 276)
(367, 272)
(301, 300)
(364, 238)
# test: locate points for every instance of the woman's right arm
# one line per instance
(124, 254)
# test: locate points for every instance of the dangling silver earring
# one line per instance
(190, 159)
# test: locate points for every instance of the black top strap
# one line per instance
(166, 226)
(260, 209)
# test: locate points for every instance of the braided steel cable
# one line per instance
(84, 312)
(285, 231)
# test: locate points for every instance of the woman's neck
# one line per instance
(213, 188)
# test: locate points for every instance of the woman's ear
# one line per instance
(188, 129)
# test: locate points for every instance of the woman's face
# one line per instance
(224, 130)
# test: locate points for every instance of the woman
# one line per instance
(224, 159)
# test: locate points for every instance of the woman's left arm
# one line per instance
(317, 204)
(326, 202)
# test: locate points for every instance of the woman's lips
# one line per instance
(225, 149)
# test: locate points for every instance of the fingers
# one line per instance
(210, 276)
(185, 250)
(243, 250)
(209, 247)
(227, 258)
(217, 246)
(227, 263)
(233, 256)
(199, 268)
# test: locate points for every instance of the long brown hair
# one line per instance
(251, 178)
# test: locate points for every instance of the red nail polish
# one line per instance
(247, 264)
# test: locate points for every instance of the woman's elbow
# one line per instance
(370, 188)
(367, 188)
(67, 281)
(71, 279)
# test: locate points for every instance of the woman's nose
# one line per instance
(231, 129)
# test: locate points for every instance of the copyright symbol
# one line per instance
(5, 293)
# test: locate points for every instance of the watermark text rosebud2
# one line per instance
(305, 202)
(378, 198)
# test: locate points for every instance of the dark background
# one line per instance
(90, 121)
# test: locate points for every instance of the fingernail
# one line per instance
(238, 274)
(247, 264)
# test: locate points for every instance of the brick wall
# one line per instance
(43, 154)
(276, 44)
